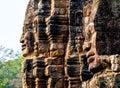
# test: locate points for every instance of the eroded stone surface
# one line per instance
(71, 44)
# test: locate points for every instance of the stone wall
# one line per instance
(71, 44)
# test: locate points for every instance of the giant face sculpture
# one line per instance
(90, 48)
(27, 41)
(101, 32)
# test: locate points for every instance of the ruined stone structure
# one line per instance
(71, 44)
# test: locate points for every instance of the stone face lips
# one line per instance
(71, 44)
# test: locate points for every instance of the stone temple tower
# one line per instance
(71, 44)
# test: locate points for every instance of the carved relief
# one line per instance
(27, 41)
(71, 44)
(98, 45)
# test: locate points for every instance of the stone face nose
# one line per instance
(86, 46)
(21, 39)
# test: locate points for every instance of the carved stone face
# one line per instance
(89, 48)
(101, 37)
(27, 41)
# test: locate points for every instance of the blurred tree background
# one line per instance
(10, 68)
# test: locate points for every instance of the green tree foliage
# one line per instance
(8, 53)
(10, 69)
